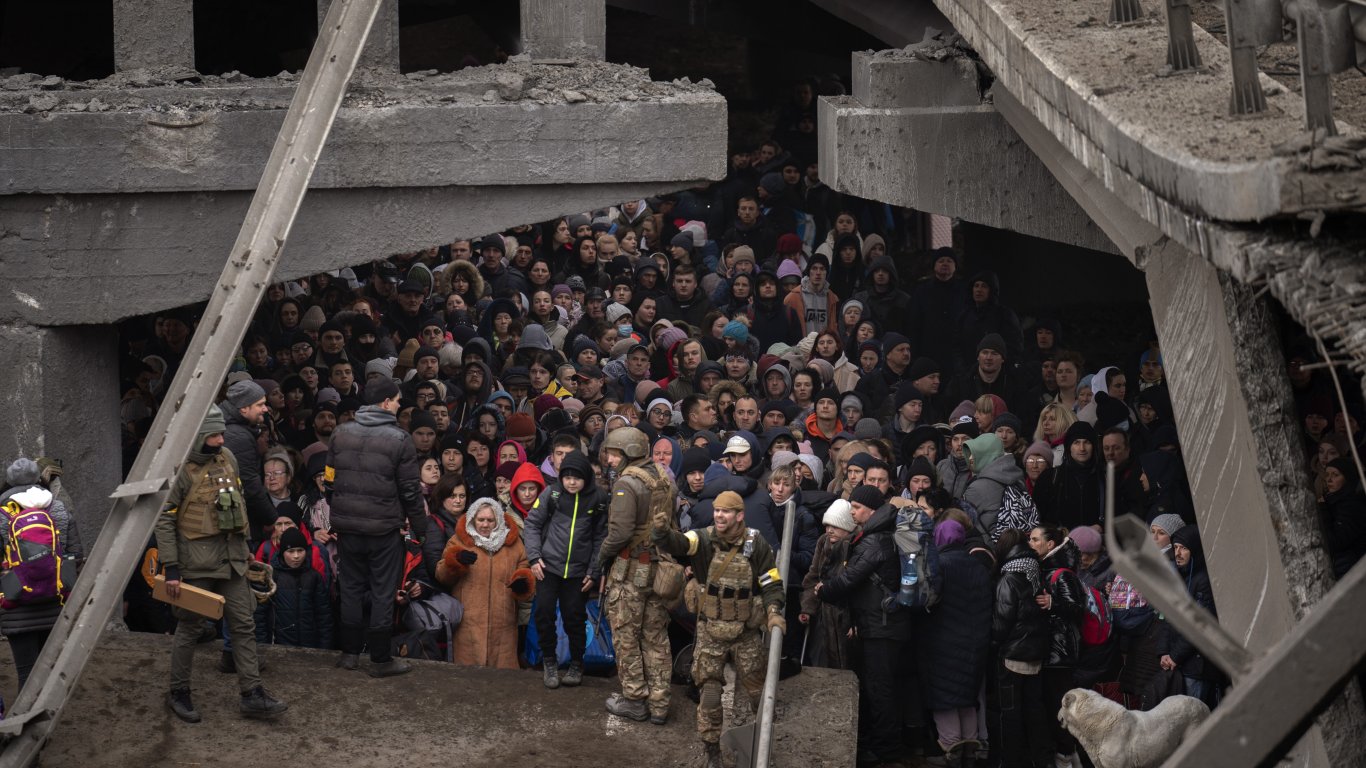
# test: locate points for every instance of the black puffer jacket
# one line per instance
(1069, 603)
(1018, 625)
(1194, 574)
(300, 613)
(955, 637)
(240, 438)
(376, 484)
(563, 530)
(871, 551)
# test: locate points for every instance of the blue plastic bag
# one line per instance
(598, 654)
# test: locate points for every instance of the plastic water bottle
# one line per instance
(908, 579)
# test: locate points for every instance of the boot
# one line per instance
(390, 668)
(226, 664)
(258, 703)
(631, 710)
(711, 755)
(552, 674)
(574, 675)
(179, 702)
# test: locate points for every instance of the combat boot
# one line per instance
(179, 702)
(711, 756)
(573, 675)
(226, 663)
(623, 707)
(258, 703)
(552, 674)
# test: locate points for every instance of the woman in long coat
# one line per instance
(484, 564)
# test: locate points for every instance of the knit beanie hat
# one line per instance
(788, 269)
(521, 425)
(728, 500)
(948, 532)
(1086, 538)
(1170, 522)
(544, 404)
(1040, 448)
(682, 240)
(694, 460)
(736, 330)
(919, 367)
(244, 393)
(891, 341)
(292, 538)
(993, 342)
(26, 471)
(867, 428)
(1008, 420)
(905, 393)
(868, 496)
(839, 516)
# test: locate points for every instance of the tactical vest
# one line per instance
(214, 487)
(729, 594)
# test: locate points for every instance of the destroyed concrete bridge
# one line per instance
(120, 196)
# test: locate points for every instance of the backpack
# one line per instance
(919, 559)
(1017, 511)
(1097, 624)
(33, 564)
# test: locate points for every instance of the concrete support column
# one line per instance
(153, 33)
(1246, 462)
(59, 397)
(564, 29)
(381, 47)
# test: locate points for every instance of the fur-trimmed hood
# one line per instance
(470, 273)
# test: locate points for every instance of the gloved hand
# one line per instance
(518, 584)
(661, 520)
(776, 619)
(467, 557)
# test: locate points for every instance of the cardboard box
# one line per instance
(193, 599)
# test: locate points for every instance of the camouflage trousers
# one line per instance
(710, 652)
(640, 637)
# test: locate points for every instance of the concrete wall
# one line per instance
(59, 397)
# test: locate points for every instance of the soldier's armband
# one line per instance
(770, 576)
(693, 540)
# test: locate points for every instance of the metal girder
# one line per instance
(242, 284)
(1274, 698)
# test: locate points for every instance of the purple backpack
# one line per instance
(33, 568)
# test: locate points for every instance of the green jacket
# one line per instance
(214, 557)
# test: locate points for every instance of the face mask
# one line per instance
(211, 450)
(808, 484)
(623, 330)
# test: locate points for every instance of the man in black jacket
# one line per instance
(373, 469)
(245, 412)
(870, 574)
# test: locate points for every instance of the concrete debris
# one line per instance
(519, 80)
(1319, 152)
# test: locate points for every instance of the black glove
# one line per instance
(518, 584)
(467, 557)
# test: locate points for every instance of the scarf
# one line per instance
(494, 541)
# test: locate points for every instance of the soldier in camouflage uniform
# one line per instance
(639, 618)
(740, 585)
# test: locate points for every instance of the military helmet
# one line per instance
(630, 441)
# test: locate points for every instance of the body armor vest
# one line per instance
(214, 490)
(729, 592)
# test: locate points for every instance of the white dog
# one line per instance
(1116, 737)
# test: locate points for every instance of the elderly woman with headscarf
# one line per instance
(485, 566)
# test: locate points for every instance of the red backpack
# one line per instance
(1096, 626)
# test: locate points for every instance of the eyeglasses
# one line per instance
(277, 473)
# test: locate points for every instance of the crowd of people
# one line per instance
(530, 397)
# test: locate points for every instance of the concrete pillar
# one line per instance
(564, 29)
(381, 47)
(60, 393)
(1246, 464)
(153, 33)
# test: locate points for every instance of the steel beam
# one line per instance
(240, 288)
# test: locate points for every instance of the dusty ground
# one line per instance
(437, 715)
(1282, 62)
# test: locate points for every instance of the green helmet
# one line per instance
(630, 441)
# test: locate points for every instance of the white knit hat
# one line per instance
(839, 515)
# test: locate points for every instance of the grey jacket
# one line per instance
(240, 439)
(985, 491)
(565, 531)
(375, 484)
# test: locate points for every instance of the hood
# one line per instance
(470, 273)
(521, 456)
(1003, 470)
(707, 365)
(806, 287)
(676, 464)
(528, 473)
(768, 363)
(374, 416)
(993, 282)
(491, 408)
(984, 449)
(882, 521)
(36, 497)
(578, 461)
(480, 345)
(535, 337)
(882, 262)
(486, 388)
(1189, 537)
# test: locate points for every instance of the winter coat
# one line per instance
(1069, 603)
(240, 439)
(564, 531)
(43, 616)
(1344, 518)
(871, 552)
(1196, 578)
(954, 639)
(829, 623)
(487, 635)
(773, 321)
(818, 311)
(376, 485)
(889, 308)
(988, 486)
(1071, 495)
(692, 311)
(300, 612)
(978, 320)
(1019, 626)
(212, 557)
(954, 476)
(471, 275)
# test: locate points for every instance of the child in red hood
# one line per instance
(527, 484)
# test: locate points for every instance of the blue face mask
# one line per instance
(624, 330)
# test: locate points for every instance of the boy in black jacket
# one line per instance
(564, 531)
